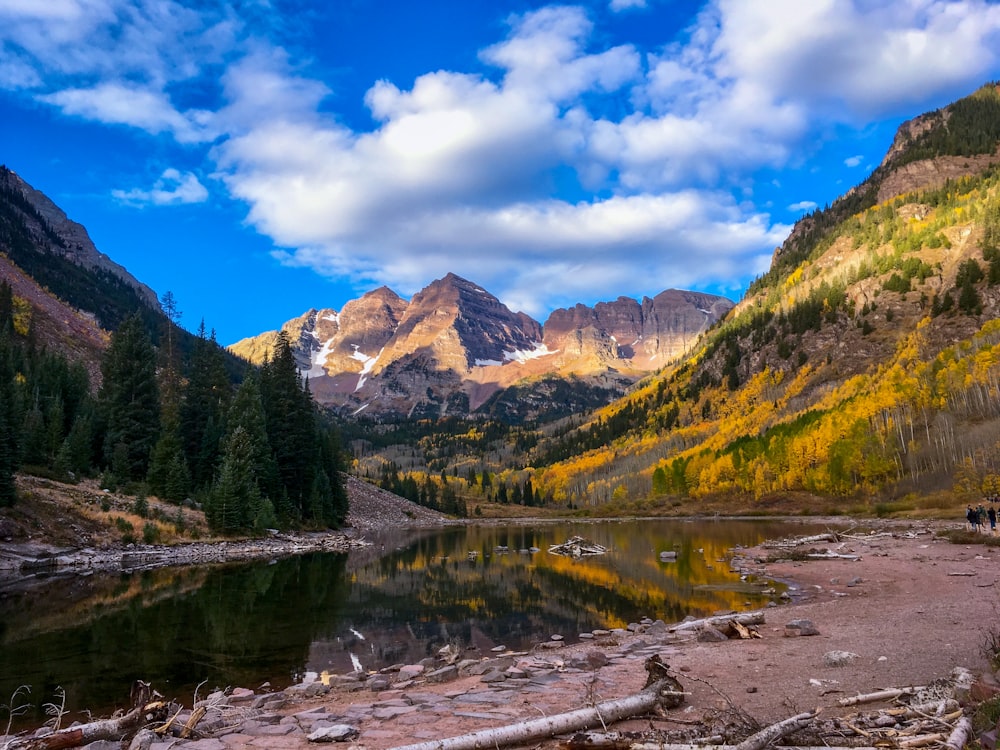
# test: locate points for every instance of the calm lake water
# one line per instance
(398, 602)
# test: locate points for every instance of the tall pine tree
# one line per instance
(8, 422)
(206, 398)
(288, 413)
(129, 400)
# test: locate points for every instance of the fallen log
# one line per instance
(959, 735)
(757, 741)
(832, 556)
(767, 735)
(880, 695)
(922, 741)
(577, 546)
(696, 746)
(115, 730)
(940, 709)
(661, 692)
(798, 541)
(146, 707)
(720, 621)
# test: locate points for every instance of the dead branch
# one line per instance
(922, 741)
(798, 541)
(192, 721)
(767, 735)
(115, 729)
(146, 707)
(661, 692)
(831, 556)
(721, 621)
(696, 746)
(881, 695)
(959, 735)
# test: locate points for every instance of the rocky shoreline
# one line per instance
(28, 559)
(372, 511)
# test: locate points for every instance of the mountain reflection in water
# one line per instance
(472, 587)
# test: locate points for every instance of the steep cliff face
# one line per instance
(69, 239)
(639, 336)
(454, 346)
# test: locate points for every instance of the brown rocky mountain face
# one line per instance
(76, 245)
(646, 335)
(454, 345)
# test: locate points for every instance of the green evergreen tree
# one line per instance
(204, 403)
(247, 411)
(336, 506)
(178, 485)
(6, 307)
(34, 437)
(288, 414)
(75, 455)
(165, 465)
(129, 399)
(236, 502)
(8, 424)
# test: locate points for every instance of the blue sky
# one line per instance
(260, 157)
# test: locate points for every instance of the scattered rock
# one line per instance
(336, 733)
(708, 634)
(443, 674)
(838, 658)
(801, 627)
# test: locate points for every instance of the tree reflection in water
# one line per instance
(246, 624)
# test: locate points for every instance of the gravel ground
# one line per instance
(375, 510)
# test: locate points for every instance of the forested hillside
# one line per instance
(864, 364)
(255, 456)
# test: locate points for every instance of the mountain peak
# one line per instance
(454, 345)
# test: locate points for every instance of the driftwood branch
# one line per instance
(696, 746)
(959, 735)
(661, 692)
(106, 729)
(767, 735)
(756, 741)
(798, 541)
(881, 695)
(146, 707)
(720, 621)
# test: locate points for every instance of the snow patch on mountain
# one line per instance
(369, 363)
(523, 355)
(318, 359)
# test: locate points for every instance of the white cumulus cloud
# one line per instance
(562, 167)
(172, 188)
(805, 206)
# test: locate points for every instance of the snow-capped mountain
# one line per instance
(454, 345)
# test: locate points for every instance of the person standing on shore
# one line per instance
(992, 515)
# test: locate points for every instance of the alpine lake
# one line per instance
(398, 601)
